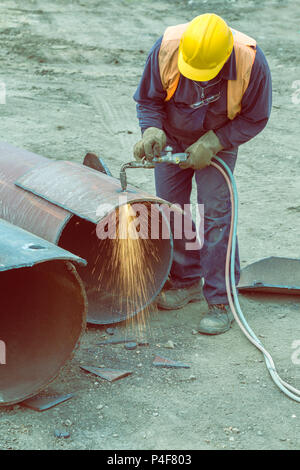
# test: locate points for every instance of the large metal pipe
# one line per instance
(65, 202)
(42, 313)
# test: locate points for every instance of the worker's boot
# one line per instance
(216, 320)
(171, 298)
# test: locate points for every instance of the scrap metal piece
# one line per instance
(96, 163)
(43, 403)
(160, 361)
(19, 249)
(116, 341)
(108, 374)
(274, 275)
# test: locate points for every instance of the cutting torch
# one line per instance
(168, 157)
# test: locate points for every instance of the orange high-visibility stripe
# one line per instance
(168, 58)
(245, 50)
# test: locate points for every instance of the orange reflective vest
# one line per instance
(245, 50)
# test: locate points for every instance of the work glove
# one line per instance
(153, 142)
(202, 151)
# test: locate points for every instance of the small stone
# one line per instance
(155, 414)
(259, 433)
(99, 407)
(115, 435)
(170, 345)
(194, 332)
(192, 377)
(231, 438)
(68, 422)
(110, 331)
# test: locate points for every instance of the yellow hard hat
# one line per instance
(204, 47)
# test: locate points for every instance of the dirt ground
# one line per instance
(70, 69)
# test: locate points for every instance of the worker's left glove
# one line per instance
(202, 151)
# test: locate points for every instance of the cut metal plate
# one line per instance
(19, 249)
(87, 193)
(274, 275)
(160, 361)
(96, 163)
(42, 403)
(108, 374)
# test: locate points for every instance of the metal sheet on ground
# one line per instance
(273, 275)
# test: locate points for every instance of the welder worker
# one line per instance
(205, 90)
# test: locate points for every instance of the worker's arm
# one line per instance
(256, 107)
(150, 94)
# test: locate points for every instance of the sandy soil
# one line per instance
(70, 69)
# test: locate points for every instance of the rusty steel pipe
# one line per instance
(65, 202)
(42, 313)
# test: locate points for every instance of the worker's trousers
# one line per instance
(208, 262)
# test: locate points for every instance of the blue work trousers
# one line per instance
(189, 266)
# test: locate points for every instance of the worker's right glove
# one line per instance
(153, 142)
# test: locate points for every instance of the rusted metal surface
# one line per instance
(42, 315)
(71, 200)
(107, 374)
(41, 402)
(274, 275)
(22, 208)
(96, 163)
(80, 190)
